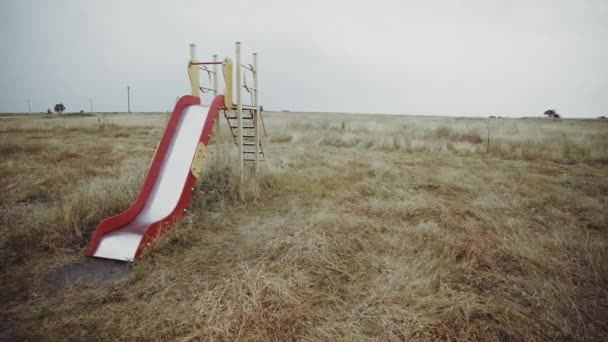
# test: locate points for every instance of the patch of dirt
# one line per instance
(92, 273)
(37, 197)
(65, 155)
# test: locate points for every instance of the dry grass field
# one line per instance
(362, 227)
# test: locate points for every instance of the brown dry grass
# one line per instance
(362, 228)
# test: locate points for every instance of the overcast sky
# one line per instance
(447, 57)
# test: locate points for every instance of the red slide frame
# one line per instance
(159, 228)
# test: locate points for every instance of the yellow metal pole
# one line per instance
(193, 71)
(256, 104)
(239, 113)
(227, 71)
(216, 129)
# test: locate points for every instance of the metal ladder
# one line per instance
(248, 133)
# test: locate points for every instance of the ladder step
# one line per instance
(244, 117)
(252, 152)
(253, 159)
(244, 135)
(244, 127)
(244, 107)
(250, 148)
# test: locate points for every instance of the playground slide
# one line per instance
(167, 188)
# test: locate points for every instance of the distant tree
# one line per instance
(261, 108)
(81, 111)
(59, 108)
(602, 117)
(551, 113)
(48, 111)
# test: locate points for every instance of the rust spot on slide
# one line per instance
(197, 162)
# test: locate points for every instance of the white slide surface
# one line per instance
(169, 184)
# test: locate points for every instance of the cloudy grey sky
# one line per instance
(473, 57)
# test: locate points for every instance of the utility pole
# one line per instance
(29, 106)
(91, 104)
(129, 98)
